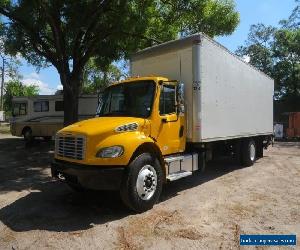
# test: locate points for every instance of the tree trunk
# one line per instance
(70, 94)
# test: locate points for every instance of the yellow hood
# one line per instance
(101, 132)
(101, 125)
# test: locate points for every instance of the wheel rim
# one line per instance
(252, 152)
(146, 182)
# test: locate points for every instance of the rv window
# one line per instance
(41, 106)
(167, 100)
(59, 106)
(19, 109)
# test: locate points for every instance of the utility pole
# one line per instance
(2, 84)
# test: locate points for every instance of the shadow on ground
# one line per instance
(50, 205)
(24, 167)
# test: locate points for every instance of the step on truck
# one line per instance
(187, 101)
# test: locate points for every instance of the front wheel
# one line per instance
(142, 183)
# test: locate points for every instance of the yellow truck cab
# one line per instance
(151, 130)
(139, 121)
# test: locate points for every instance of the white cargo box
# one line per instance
(225, 97)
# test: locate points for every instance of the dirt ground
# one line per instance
(205, 211)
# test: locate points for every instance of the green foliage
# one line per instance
(286, 52)
(9, 66)
(166, 19)
(67, 33)
(16, 88)
(96, 79)
(276, 51)
(48, 31)
(258, 47)
(293, 22)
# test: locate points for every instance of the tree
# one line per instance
(16, 88)
(286, 53)
(258, 47)
(168, 18)
(95, 78)
(276, 51)
(67, 33)
(9, 66)
(293, 22)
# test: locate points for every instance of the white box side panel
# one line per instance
(165, 65)
(237, 100)
(176, 65)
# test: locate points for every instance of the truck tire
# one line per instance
(142, 183)
(27, 134)
(248, 152)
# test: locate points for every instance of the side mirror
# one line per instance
(180, 98)
(164, 120)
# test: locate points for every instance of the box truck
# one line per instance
(187, 101)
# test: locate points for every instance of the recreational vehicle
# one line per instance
(43, 115)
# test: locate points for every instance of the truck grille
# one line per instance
(70, 146)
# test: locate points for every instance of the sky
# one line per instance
(269, 12)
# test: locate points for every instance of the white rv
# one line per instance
(43, 115)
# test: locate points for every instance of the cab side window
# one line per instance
(41, 106)
(167, 100)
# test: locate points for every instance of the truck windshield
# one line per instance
(128, 99)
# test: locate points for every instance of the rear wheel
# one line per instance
(27, 134)
(248, 152)
(142, 183)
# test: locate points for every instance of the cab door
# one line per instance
(171, 127)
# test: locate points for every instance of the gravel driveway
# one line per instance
(205, 211)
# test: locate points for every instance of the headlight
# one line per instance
(110, 152)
